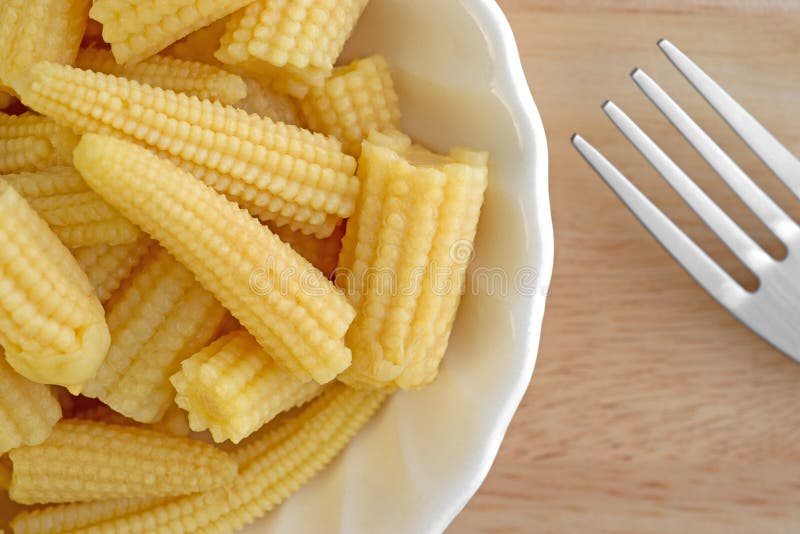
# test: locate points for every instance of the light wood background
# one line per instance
(651, 409)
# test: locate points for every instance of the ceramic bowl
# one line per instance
(415, 466)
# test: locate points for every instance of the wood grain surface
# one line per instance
(651, 408)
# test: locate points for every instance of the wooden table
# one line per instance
(651, 409)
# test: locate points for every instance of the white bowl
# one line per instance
(416, 465)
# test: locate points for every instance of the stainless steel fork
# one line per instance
(772, 310)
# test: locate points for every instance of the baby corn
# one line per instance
(232, 388)
(296, 41)
(190, 77)
(278, 172)
(107, 266)
(137, 29)
(161, 317)
(416, 211)
(77, 215)
(38, 30)
(28, 411)
(51, 324)
(174, 421)
(87, 460)
(356, 100)
(322, 253)
(273, 464)
(294, 312)
(29, 142)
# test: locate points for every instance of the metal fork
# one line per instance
(773, 310)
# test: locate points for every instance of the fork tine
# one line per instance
(685, 251)
(776, 156)
(762, 205)
(731, 234)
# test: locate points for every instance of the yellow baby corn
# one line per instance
(137, 29)
(28, 410)
(77, 215)
(29, 142)
(190, 77)
(266, 102)
(399, 260)
(175, 421)
(107, 266)
(277, 171)
(232, 388)
(297, 41)
(38, 30)
(200, 45)
(87, 460)
(356, 100)
(161, 317)
(51, 324)
(294, 312)
(273, 464)
(322, 253)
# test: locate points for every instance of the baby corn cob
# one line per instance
(29, 142)
(77, 215)
(273, 464)
(277, 171)
(294, 312)
(190, 77)
(87, 460)
(137, 29)
(296, 41)
(38, 30)
(415, 213)
(174, 422)
(357, 99)
(161, 317)
(51, 324)
(232, 388)
(28, 411)
(321, 253)
(264, 101)
(107, 266)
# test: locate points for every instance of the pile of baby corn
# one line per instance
(207, 226)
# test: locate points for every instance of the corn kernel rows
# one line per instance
(29, 142)
(107, 266)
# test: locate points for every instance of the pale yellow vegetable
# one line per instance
(138, 29)
(273, 464)
(87, 460)
(294, 312)
(158, 319)
(108, 266)
(279, 172)
(357, 99)
(233, 387)
(295, 41)
(30, 142)
(51, 323)
(38, 30)
(266, 102)
(174, 421)
(402, 260)
(28, 411)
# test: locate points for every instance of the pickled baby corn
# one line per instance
(137, 29)
(416, 212)
(278, 172)
(29, 142)
(51, 324)
(190, 77)
(87, 460)
(107, 266)
(322, 253)
(28, 411)
(273, 464)
(38, 30)
(295, 41)
(174, 421)
(161, 317)
(77, 215)
(232, 388)
(294, 312)
(355, 100)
